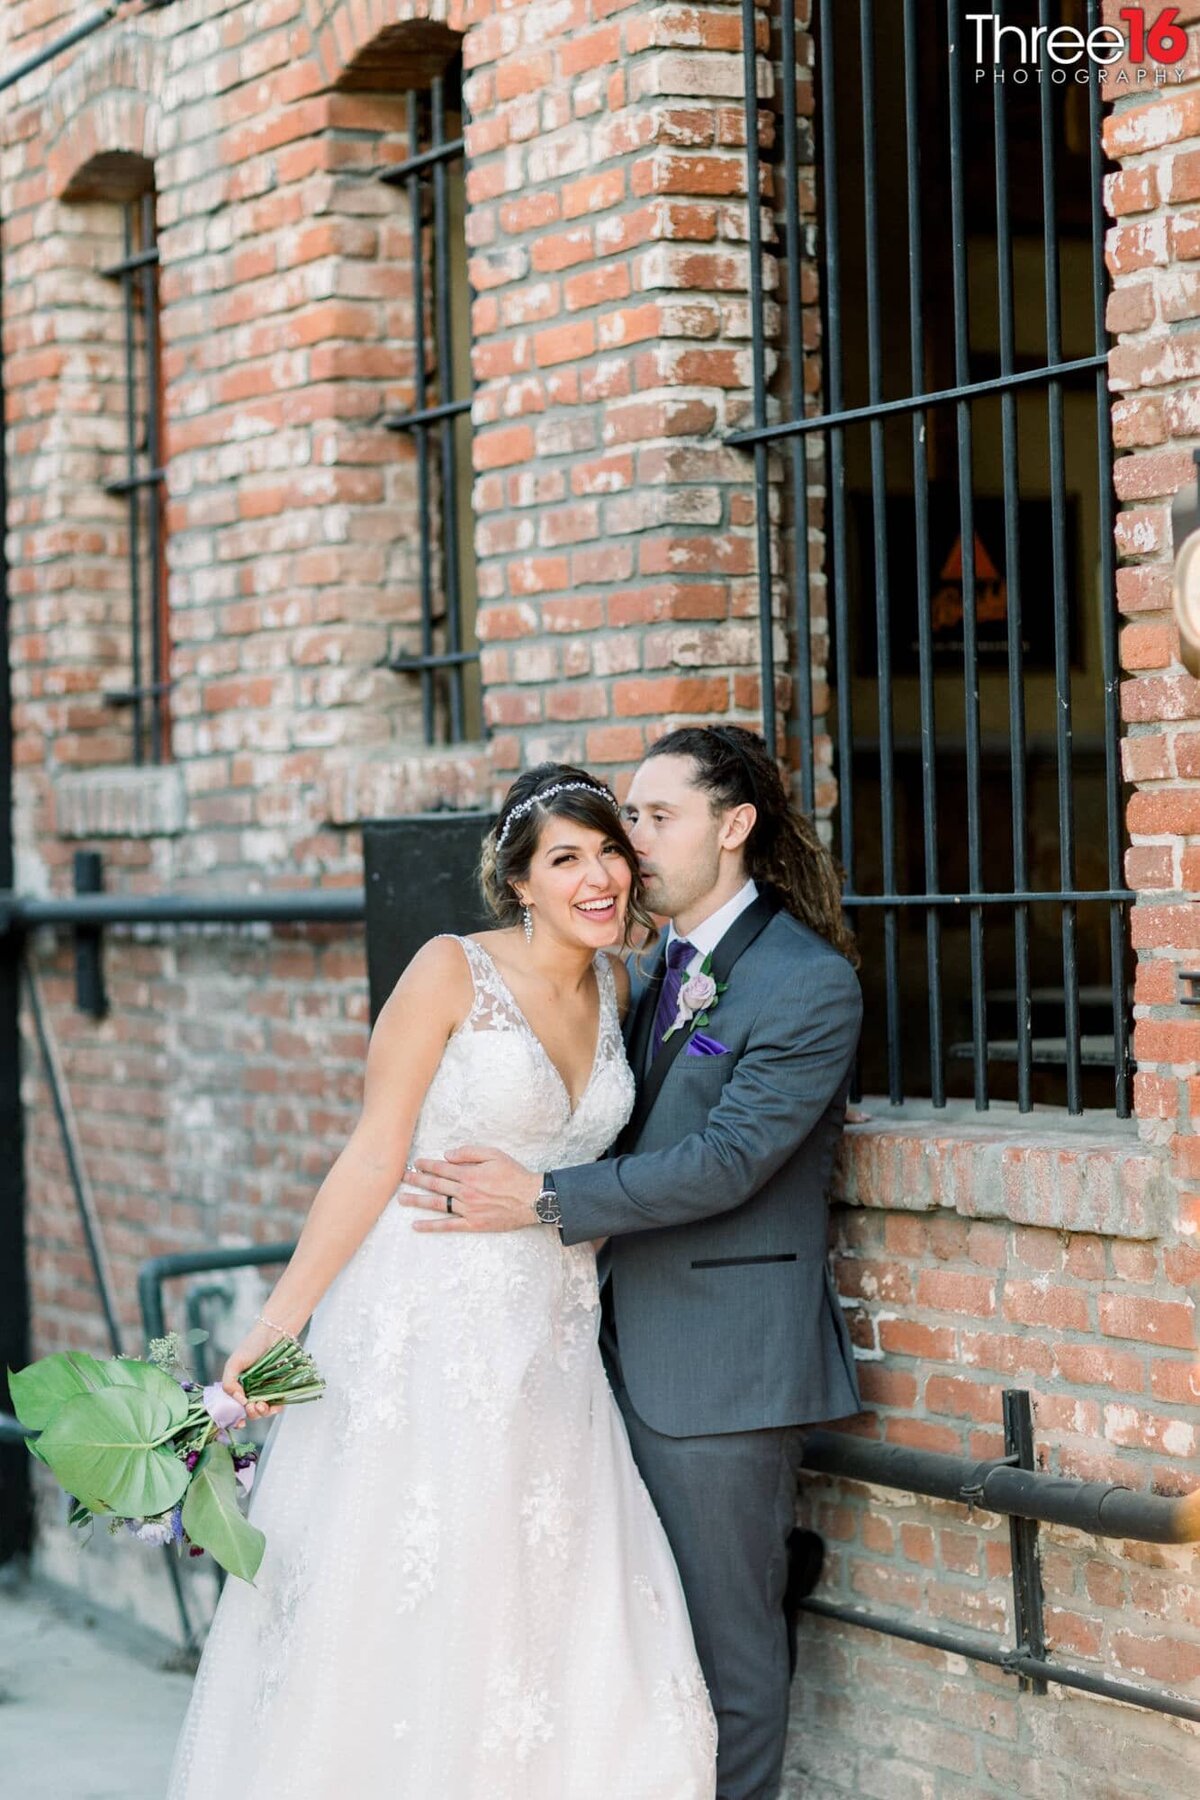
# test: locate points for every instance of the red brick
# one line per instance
(699, 694)
(942, 1291)
(1168, 1322)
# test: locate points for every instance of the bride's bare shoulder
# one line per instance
(437, 981)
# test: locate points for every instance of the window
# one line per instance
(958, 463)
(138, 482)
(439, 646)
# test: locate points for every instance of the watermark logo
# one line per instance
(1148, 50)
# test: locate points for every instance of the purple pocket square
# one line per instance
(699, 1045)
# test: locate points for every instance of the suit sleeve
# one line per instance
(796, 1061)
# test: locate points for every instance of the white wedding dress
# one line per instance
(466, 1593)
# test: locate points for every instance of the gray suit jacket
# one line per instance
(715, 1195)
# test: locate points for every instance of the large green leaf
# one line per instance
(105, 1449)
(213, 1519)
(39, 1390)
(124, 1371)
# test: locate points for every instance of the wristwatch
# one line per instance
(546, 1205)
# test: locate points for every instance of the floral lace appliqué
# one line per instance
(548, 1517)
(683, 1705)
(517, 1721)
(416, 1545)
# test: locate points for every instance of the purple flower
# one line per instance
(697, 992)
(192, 1458)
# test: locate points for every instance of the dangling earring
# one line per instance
(527, 922)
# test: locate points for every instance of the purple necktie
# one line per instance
(679, 955)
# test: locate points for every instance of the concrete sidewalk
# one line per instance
(88, 1711)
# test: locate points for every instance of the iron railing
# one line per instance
(938, 793)
(442, 396)
(1016, 1489)
(142, 485)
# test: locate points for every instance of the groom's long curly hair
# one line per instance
(783, 851)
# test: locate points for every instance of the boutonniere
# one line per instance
(698, 998)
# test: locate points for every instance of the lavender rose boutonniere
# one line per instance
(698, 999)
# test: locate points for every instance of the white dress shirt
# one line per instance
(708, 934)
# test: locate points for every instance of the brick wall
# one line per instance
(607, 230)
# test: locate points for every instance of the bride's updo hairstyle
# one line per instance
(552, 790)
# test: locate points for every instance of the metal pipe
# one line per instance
(421, 393)
(148, 277)
(1060, 598)
(882, 583)
(428, 415)
(157, 1269)
(924, 572)
(803, 660)
(758, 357)
(132, 486)
(444, 339)
(49, 51)
(963, 419)
(837, 581)
(1023, 1539)
(975, 897)
(1014, 1661)
(425, 159)
(1101, 1508)
(335, 906)
(907, 403)
(88, 1220)
(16, 1503)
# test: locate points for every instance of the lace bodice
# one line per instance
(496, 1085)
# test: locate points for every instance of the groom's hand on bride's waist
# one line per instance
(486, 1191)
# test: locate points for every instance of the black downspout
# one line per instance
(16, 1494)
(16, 1500)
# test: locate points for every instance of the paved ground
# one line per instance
(89, 1707)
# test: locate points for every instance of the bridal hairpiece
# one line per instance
(562, 787)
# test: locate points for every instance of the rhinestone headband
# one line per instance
(563, 787)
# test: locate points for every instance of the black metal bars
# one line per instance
(142, 485)
(961, 410)
(446, 651)
(1015, 1488)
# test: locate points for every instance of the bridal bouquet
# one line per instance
(141, 1445)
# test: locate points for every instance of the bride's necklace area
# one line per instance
(574, 1101)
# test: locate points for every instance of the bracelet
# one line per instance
(271, 1326)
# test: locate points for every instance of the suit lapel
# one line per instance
(738, 938)
(640, 1023)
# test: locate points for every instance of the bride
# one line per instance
(466, 1593)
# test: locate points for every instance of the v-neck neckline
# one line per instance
(572, 1108)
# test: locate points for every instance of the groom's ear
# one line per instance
(739, 822)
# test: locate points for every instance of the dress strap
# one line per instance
(493, 1007)
(610, 1013)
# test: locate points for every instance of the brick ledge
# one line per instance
(1087, 1174)
(125, 803)
(395, 784)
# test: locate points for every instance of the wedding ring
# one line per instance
(450, 1203)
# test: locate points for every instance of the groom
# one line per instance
(721, 1326)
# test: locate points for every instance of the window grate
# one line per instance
(142, 485)
(448, 653)
(944, 235)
